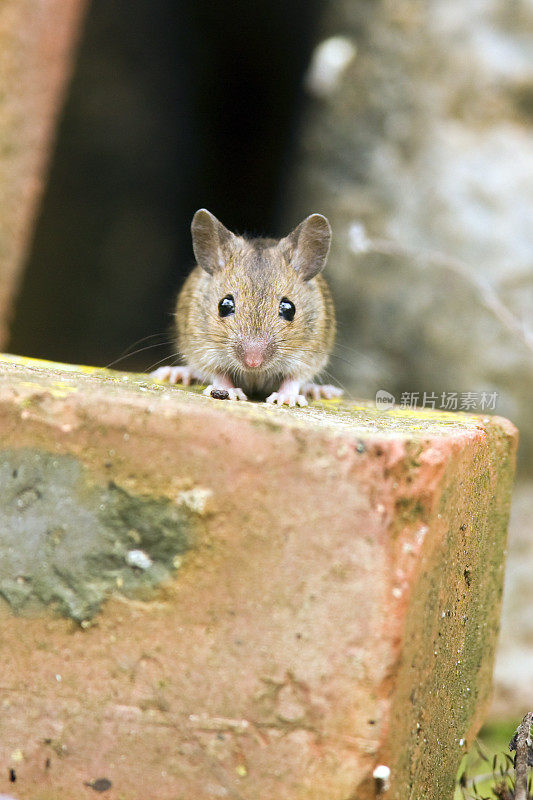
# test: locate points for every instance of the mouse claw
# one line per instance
(183, 375)
(290, 399)
(236, 394)
(317, 391)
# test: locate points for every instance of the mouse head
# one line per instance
(264, 306)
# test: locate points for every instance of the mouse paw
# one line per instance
(217, 391)
(317, 391)
(287, 397)
(183, 375)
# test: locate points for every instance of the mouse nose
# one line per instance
(254, 355)
(254, 352)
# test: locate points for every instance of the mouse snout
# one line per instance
(254, 356)
(254, 353)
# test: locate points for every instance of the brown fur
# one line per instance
(258, 273)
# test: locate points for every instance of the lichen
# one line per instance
(64, 541)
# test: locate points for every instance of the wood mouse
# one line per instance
(255, 316)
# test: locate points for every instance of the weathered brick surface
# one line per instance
(36, 44)
(323, 594)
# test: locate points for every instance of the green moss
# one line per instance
(410, 510)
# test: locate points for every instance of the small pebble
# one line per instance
(381, 775)
(219, 394)
(138, 558)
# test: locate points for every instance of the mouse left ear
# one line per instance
(307, 247)
(209, 240)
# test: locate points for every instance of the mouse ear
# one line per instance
(209, 236)
(307, 247)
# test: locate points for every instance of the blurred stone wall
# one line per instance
(513, 676)
(419, 132)
(418, 146)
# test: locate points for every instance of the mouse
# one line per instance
(255, 317)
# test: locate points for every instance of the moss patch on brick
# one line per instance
(67, 542)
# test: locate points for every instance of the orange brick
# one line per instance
(320, 592)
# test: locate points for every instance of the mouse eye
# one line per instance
(287, 310)
(226, 306)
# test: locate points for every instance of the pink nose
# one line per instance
(254, 355)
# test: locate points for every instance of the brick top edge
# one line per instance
(90, 386)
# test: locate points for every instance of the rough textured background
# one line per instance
(341, 589)
(36, 49)
(425, 138)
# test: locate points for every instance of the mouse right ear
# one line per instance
(307, 247)
(209, 236)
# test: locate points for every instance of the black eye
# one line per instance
(287, 309)
(226, 306)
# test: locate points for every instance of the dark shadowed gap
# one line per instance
(173, 106)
